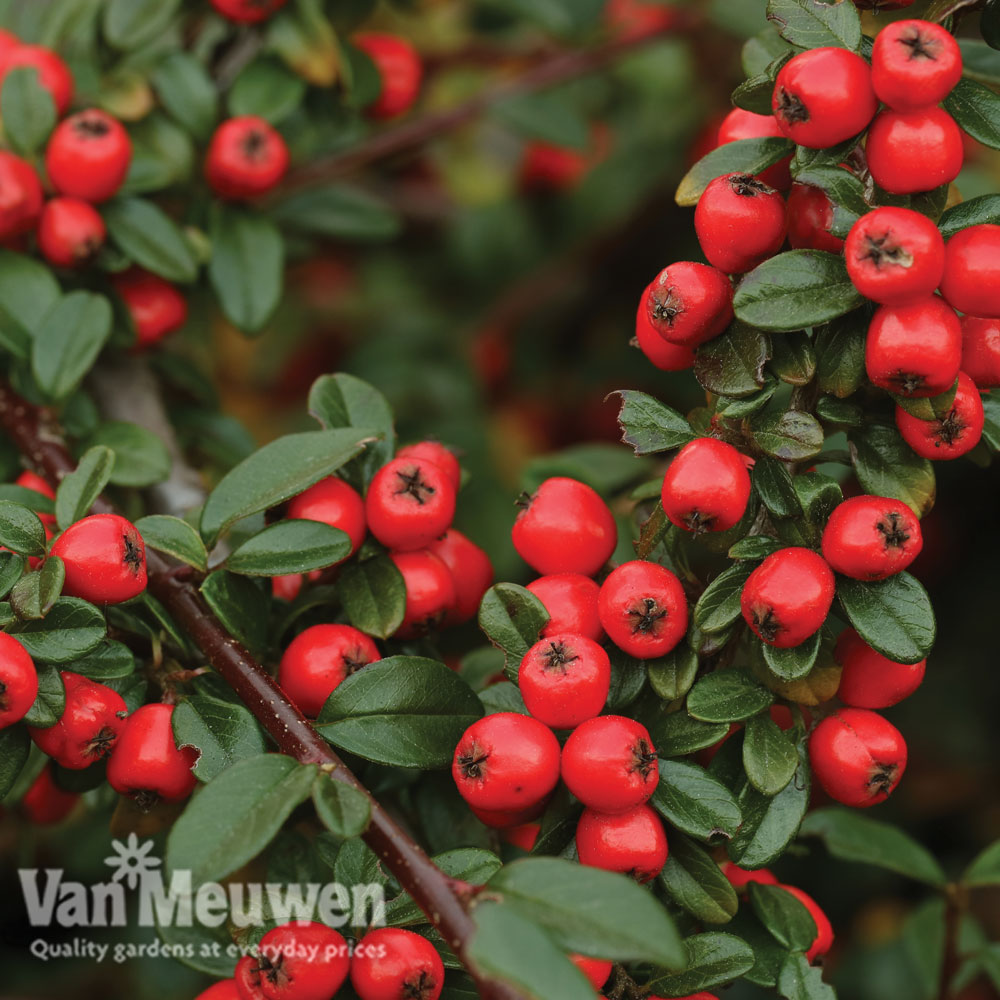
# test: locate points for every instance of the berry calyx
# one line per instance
(706, 487)
(409, 503)
(661, 353)
(88, 156)
(915, 64)
(632, 842)
(105, 559)
(333, 502)
(688, 303)
(871, 538)
(869, 679)
(571, 601)
(971, 282)
(302, 961)
(956, 432)
(246, 158)
(643, 609)
(155, 307)
(70, 232)
(434, 451)
(18, 681)
(913, 151)
(390, 963)
(564, 680)
(430, 592)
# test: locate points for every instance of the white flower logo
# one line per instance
(131, 860)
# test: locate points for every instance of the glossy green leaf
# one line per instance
(745, 156)
(33, 595)
(784, 916)
(188, 92)
(130, 24)
(373, 595)
(268, 89)
(68, 341)
(893, 616)
(845, 192)
(840, 355)
(148, 236)
(241, 605)
(769, 756)
(713, 959)
(15, 745)
(107, 661)
(28, 290)
(792, 436)
(141, 458)
(793, 359)
(51, 700)
(221, 731)
(794, 662)
(719, 605)
(976, 109)
(290, 546)
(733, 364)
(174, 537)
(511, 617)
(798, 980)
(70, 630)
(340, 212)
(728, 696)
(694, 881)
(21, 530)
(27, 109)
(984, 210)
(344, 810)
(985, 869)
(677, 734)
(77, 492)
(671, 676)
(650, 426)
(773, 483)
(11, 568)
(887, 467)
(814, 23)
(695, 802)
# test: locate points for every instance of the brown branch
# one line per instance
(956, 903)
(36, 435)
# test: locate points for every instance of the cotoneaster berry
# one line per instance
(509, 819)
(981, 351)
(857, 756)
(155, 307)
(740, 878)
(302, 961)
(610, 764)
(740, 124)
(333, 502)
(471, 571)
(632, 842)
(597, 971)
(225, 990)
(643, 609)
(971, 281)
(788, 596)
(246, 158)
(506, 761)
(18, 681)
(895, 256)
(147, 764)
(740, 222)
(53, 74)
(706, 487)
(951, 435)
(409, 503)
(88, 156)
(70, 232)
(318, 659)
(810, 216)
(32, 481)
(688, 303)
(871, 680)
(564, 527)
(638, 18)
(823, 941)
(45, 803)
(915, 64)
(430, 592)
(247, 11)
(400, 69)
(912, 151)
(914, 350)
(564, 680)
(104, 557)
(246, 978)
(439, 454)
(571, 601)
(660, 353)
(8, 41)
(90, 726)
(21, 203)
(823, 96)
(390, 963)
(547, 167)
(871, 538)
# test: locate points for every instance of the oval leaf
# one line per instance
(292, 546)
(893, 616)
(150, 238)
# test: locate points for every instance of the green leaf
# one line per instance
(292, 546)
(798, 980)
(141, 458)
(845, 192)
(68, 341)
(728, 696)
(28, 111)
(719, 605)
(985, 869)
(33, 595)
(131, 24)
(695, 802)
(831, 410)
(761, 50)
(21, 530)
(976, 109)
(733, 364)
(769, 756)
(70, 630)
(650, 426)
(773, 483)
(547, 116)
(893, 616)
(236, 815)
(694, 881)
(222, 732)
(149, 237)
(344, 810)
(174, 537)
(162, 155)
(77, 492)
(840, 355)
(991, 422)
(851, 836)
(15, 745)
(745, 156)
(107, 661)
(796, 289)
(51, 701)
(340, 212)
(677, 734)
(240, 604)
(784, 916)
(28, 290)
(793, 360)
(247, 266)
(470, 864)
(755, 93)
(736, 409)
(814, 23)
(511, 617)
(795, 662)
(713, 959)
(405, 711)
(887, 467)
(671, 676)
(984, 210)
(929, 407)
(275, 473)
(818, 494)
(11, 568)
(373, 595)
(589, 911)
(187, 92)
(268, 89)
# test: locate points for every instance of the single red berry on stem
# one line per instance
(823, 941)
(857, 756)
(706, 487)
(18, 681)
(471, 571)
(688, 303)
(302, 961)
(913, 151)
(390, 963)
(915, 64)
(409, 503)
(810, 218)
(571, 601)
(155, 307)
(740, 124)
(20, 196)
(632, 842)
(248, 11)
(45, 803)
(981, 351)
(643, 609)
(871, 680)
(564, 680)
(971, 282)
(333, 502)
(104, 557)
(246, 158)
(399, 68)
(788, 596)
(871, 538)
(88, 156)
(70, 232)
(430, 592)
(951, 435)
(434, 451)
(662, 354)
(53, 74)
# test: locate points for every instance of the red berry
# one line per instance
(610, 764)
(430, 592)
(246, 158)
(788, 596)
(246, 976)
(547, 167)
(952, 435)
(912, 151)
(287, 586)
(508, 819)
(53, 73)
(410, 502)
(90, 726)
(914, 350)
(871, 538)
(104, 557)
(45, 802)
(434, 451)
(471, 571)
(333, 502)
(88, 156)
(155, 306)
(390, 963)
(971, 282)
(565, 527)
(18, 681)
(633, 19)
(871, 680)
(147, 764)
(399, 67)
(810, 216)
(740, 878)
(823, 97)
(21, 201)
(740, 222)
(895, 256)
(598, 972)
(225, 990)
(8, 41)
(914, 64)
(564, 680)
(981, 351)
(32, 481)
(740, 124)
(823, 941)
(643, 609)
(247, 11)
(506, 761)
(302, 961)
(524, 835)
(70, 232)
(318, 659)
(661, 353)
(706, 487)
(571, 601)
(633, 842)
(688, 303)
(857, 756)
